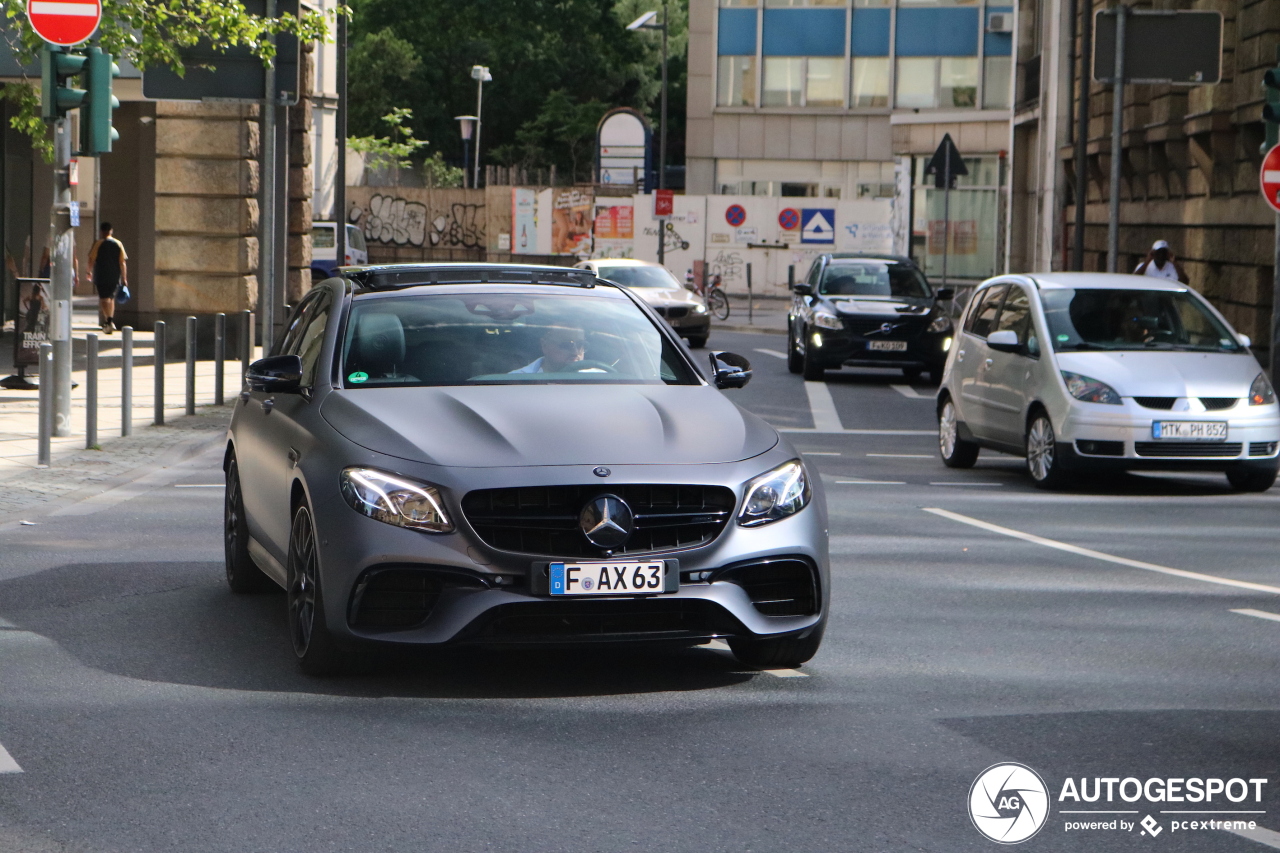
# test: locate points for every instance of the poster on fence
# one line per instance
(524, 228)
(33, 320)
(614, 229)
(571, 220)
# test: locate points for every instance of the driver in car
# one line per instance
(560, 347)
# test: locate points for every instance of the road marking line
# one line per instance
(901, 455)
(1098, 555)
(199, 486)
(814, 431)
(819, 453)
(722, 646)
(871, 482)
(1261, 614)
(1262, 835)
(823, 407)
(910, 393)
(7, 764)
(772, 352)
(962, 483)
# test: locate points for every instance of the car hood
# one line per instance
(1167, 374)
(507, 425)
(667, 295)
(885, 307)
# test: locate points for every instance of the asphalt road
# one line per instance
(1088, 633)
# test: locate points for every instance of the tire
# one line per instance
(243, 575)
(795, 361)
(809, 366)
(954, 450)
(718, 304)
(784, 653)
(935, 376)
(698, 342)
(1044, 463)
(911, 374)
(1246, 479)
(317, 650)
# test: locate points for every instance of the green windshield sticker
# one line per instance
(1064, 338)
(358, 377)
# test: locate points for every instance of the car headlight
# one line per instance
(1090, 390)
(823, 320)
(941, 323)
(699, 308)
(1260, 392)
(781, 492)
(395, 500)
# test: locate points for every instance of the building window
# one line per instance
(786, 4)
(797, 81)
(824, 82)
(995, 83)
(871, 4)
(732, 3)
(929, 82)
(870, 81)
(736, 81)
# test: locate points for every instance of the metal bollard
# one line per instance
(91, 392)
(44, 426)
(791, 277)
(246, 343)
(159, 374)
(219, 357)
(126, 380)
(191, 366)
(750, 298)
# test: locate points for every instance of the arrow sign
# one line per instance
(817, 225)
(946, 153)
(64, 22)
(1270, 178)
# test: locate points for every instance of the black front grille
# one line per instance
(1262, 448)
(543, 520)
(903, 328)
(391, 599)
(1215, 449)
(1216, 404)
(675, 312)
(1091, 447)
(1165, 403)
(643, 619)
(778, 587)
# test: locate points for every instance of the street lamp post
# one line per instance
(645, 22)
(465, 124)
(481, 75)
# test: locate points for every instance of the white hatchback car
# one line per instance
(1093, 371)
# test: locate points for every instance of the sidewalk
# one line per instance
(767, 314)
(24, 486)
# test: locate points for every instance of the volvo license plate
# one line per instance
(1189, 430)
(888, 346)
(643, 577)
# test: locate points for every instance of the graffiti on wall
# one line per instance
(392, 220)
(729, 265)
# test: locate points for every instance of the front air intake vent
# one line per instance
(1187, 449)
(1217, 404)
(778, 587)
(1164, 403)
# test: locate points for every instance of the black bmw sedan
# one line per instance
(501, 454)
(867, 311)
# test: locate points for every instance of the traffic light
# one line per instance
(96, 132)
(56, 69)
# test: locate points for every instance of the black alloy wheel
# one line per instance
(697, 342)
(318, 653)
(243, 575)
(795, 361)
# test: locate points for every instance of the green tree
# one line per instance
(152, 32)
(379, 65)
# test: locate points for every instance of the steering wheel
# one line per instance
(589, 364)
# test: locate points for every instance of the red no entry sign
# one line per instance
(1270, 177)
(735, 215)
(64, 22)
(789, 219)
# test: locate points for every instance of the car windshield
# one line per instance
(874, 278)
(1089, 319)
(506, 338)
(639, 276)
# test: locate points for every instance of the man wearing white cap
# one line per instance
(1161, 263)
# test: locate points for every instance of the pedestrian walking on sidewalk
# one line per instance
(1161, 263)
(109, 271)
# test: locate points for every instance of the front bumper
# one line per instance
(476, 594)
(1124, 438)
(925, 351)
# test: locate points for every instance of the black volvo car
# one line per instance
(868, 311)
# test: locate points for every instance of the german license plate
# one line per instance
(1190, 430)
(607, 578)
(888, 346)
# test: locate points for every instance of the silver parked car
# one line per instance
(685, 310)
(1091, 371)
(502, 454)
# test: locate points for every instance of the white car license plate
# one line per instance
(607, 578)
(890, 346)
(1190, 430)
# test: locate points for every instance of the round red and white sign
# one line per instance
(64, 22)
(1270, 178)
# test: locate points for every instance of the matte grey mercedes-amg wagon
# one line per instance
(503, 454)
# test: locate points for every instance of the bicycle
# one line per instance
(717, 301)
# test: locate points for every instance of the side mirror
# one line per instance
(944, 293)
(278, 373)
(1005, 340)
(803, 288)
(1245, 340)
(730, 370)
